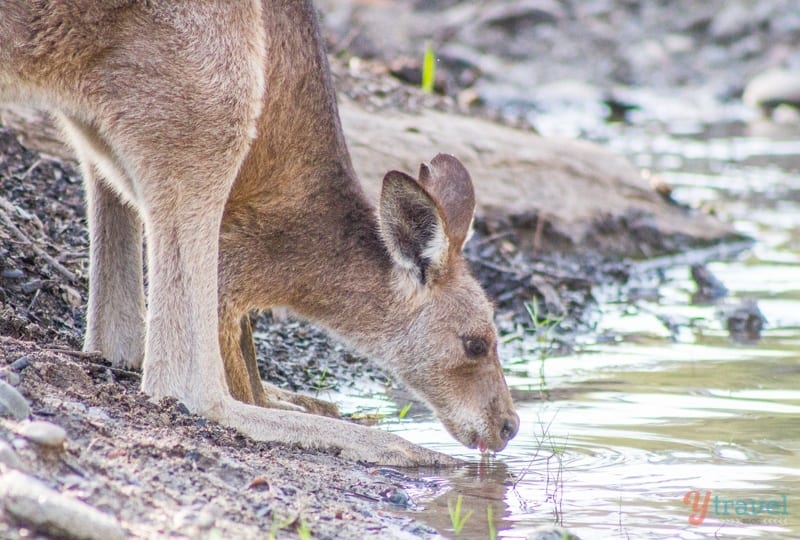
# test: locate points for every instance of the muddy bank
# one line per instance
(162, 472)
(555, 194)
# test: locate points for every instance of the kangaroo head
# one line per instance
(444, 345)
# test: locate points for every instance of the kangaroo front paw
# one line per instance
(125, 349)
(394, 451)
(349, 441)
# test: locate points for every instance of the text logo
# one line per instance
(700, 504)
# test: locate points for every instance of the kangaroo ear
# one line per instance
(411, 226)
(425, 222)
(448, 183)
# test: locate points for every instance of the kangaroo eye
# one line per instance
(475, 347)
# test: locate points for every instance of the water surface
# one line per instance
(616, 435)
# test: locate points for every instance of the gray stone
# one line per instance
(552, 533)
(772, 88)
(20, 363)
(191, 517)
(96, 414)
(8, 457)
(12, 404)
(50, 512)
(734, 20)
(10, 376)
(12, 273)
(44, 433)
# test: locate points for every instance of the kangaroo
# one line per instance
(212, 126)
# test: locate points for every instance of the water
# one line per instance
(615, 436)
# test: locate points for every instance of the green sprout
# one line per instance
(428, 69)
(490, 521)
(278, 524)
(456, 518)
(404, 411)
(303, 530)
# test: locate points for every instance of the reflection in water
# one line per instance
(672, 431)
(483, 486)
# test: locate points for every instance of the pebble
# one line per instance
(20, 363)
(772, 88)
(744, 321)
(8, 457)
(732, 21)
(397, 497)
(52, 513)
(193, 517)
(709, 287)
(552, 533)
(10, 376)
(12, 404)
(44, 433)
(96, 414)
(12, 273)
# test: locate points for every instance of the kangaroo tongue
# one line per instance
(482, 446)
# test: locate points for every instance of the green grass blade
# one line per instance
(428, 69)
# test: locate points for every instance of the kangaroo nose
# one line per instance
(510, 427)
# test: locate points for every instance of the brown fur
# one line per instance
(213, 126)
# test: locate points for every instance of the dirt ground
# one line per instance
(164, 472)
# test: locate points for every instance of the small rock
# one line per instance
(32, 285)
(11, 377)
(732, 21)
(396, 497)
(744, 321)
(8, 457)
(44, 433)
(772, 88)
(193, 517)
(18, 443)
(786, 114)
(96, 414)
(20, 363)
(12, 273)
(71, 295)
(259, 483)
(709, 288)
(72, 406)
(514, 13)
(12, 404)
(52, 513)
(552, 533)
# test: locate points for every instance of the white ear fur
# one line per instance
(435, 250)
(412, 227)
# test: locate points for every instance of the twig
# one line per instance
(8, 206)
(497, 267)
(30, 169)
(492, 237)
(93, 356)
(34, 299)
(21, 237)
(77, 354)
